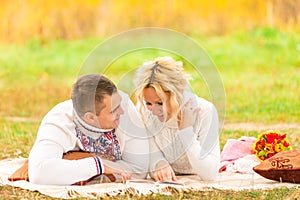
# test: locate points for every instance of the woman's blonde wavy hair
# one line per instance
(167, 77)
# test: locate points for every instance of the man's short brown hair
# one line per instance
(88, 93)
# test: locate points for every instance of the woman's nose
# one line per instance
(155, 110)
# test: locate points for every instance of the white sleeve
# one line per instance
(48, 168)
(55, 137)
(133, 138)
(155, 155)
(202, 144)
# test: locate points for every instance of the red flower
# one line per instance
(269, 143)
(263, 142)
(271, 138)
(270, 155)
(281, 137)
(286, 144)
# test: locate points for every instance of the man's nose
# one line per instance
(121, 111)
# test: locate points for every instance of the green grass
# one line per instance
(261, 73)
(16, 138)
(260, 70)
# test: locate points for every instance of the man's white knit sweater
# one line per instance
(57, 135)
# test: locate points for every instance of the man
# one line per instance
(98, 119)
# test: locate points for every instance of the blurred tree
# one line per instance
(270, 9)
(35, 19)
(287, 11)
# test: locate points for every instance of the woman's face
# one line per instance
(155, 104)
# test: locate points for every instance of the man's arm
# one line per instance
(55, 137)
(46, 166)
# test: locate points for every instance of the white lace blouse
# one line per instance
(193, 150)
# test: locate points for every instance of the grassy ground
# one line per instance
(8, 192)
(260, 71)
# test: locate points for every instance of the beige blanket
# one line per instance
(225, 181)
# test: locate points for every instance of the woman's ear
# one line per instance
(90, 118)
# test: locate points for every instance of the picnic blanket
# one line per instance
(226, 180)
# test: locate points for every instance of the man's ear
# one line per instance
(90, 118)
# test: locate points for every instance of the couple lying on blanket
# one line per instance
(99, 131)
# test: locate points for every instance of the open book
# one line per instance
(153, 183)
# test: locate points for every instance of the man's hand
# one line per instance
(164, 172)
(111, 168)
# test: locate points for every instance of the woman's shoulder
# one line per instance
(197, 100)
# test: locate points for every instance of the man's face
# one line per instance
(110, 115)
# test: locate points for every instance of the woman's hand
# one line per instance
(164, 172)
(188, 115)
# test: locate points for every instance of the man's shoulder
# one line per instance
(123, 94)
(64, 108)
(125, 98)
(67, 104)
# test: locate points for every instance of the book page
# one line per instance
(153, 183)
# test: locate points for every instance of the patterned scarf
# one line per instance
(97, 140)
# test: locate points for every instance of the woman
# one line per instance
(183, 128)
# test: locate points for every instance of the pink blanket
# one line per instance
(235, 149)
